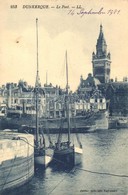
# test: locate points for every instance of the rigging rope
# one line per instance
(102, 173)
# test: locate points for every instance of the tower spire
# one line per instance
(101, 27)
(101, 60)
(101, 47)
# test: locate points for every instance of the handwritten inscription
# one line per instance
(111, 11)
(91, 11)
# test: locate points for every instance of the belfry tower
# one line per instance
(101, 60)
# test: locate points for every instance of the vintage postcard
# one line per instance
(64, 73)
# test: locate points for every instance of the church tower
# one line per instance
(101, 60)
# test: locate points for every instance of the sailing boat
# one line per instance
(42, 155)
(65, 152)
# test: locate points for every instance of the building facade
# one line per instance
(117, 95)
(87, 86)
(20, 98)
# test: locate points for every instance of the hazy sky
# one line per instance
(58, 32)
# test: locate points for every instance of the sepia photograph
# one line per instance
(64, 97)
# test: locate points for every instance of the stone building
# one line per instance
(117, 95)
(20, 98)
(87, 86)
(51, 96)
(101, 61)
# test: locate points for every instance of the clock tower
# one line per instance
(101, 60)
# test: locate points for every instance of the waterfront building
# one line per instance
(77, 105)
(98, 101)
(51, 91)
(51, 96)
(81, 107)
(20, 98)
(117, 94)
(87, 86)
(2, 94)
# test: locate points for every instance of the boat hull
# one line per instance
(68, 157)
(89, 123)
(44, 159)
(77, 155)
(79, 124)
(118, 122)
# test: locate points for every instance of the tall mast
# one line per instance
(37, 88)
(37, 74)
(67, 102)
(46, 78)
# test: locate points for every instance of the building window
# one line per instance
(57, 106)
(15, 101)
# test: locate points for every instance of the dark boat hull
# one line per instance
(68, 157)
(79, 124)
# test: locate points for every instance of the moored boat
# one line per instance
(79, 124)
(118, 122)
(42, 154)
(65, 152)
(99, 120)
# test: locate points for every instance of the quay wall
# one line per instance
(16, 159)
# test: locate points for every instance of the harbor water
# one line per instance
(104, 169)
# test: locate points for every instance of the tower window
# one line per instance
(100, 100)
